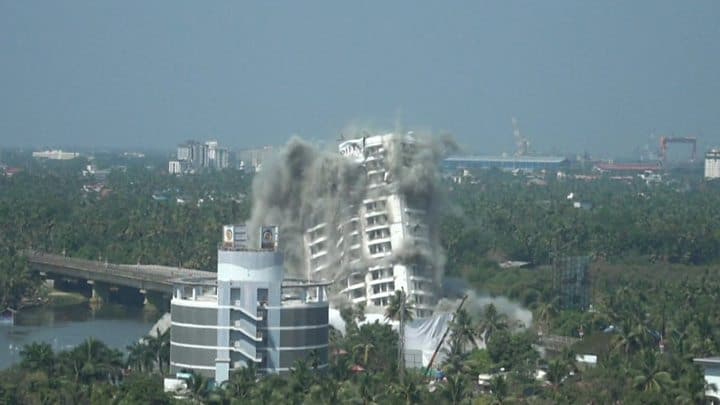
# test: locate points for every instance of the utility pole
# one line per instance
(401, 338)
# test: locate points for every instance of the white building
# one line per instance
(55, 155)
(711, 369)
(183, 152)
(373, 235)
(248, 314)
(195, 156)
(174, 167)
(712, 164)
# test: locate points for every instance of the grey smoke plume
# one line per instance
(453, 288)
(300, 189)
(305, 187)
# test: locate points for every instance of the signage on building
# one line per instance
(352, 149)
(235, 235)
(228, 234)
(268, 237)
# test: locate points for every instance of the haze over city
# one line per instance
(598, 77)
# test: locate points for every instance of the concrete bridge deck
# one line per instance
(143, 277)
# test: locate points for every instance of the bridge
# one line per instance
(103, 276)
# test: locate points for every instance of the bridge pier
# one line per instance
(156, 301)
(100, 293)
(72, 285)
(128, 296)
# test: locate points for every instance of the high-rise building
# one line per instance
(376, 243)
(174, 167)
(194, 156)
(248, 314)
(712, 164)
(183, 153)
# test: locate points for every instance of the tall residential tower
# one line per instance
(383, 244)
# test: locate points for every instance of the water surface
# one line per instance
(65, 327)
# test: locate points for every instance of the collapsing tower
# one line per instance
(386, 240)
(571, 281)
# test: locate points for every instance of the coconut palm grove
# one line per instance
(653, 251)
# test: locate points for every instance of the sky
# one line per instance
(596, 76)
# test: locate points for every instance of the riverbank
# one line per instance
(56, 298)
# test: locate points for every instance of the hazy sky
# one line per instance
(578, 75)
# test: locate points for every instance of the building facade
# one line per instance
(193, 156)
(55, 155)
(505, 163)
(711, 370)
(368, 241)
(248, 314)
(712, 164)
(175, 167)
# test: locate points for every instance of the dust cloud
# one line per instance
(305, 187)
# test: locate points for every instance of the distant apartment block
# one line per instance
(177, 167)
(55, 155)
(712, 164)
(253, 159)
(193, 156)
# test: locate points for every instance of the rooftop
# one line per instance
(533, 159)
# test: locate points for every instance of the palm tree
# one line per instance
(455, 389)
(92, 361)
(650, 377)
(365, 349)
(498, 389)
(544, 313)
(408, 391)
(455, 362)
(326, 392)
(198, 387)
(398, 302)
(159, 347)
(491, 322)
(462, 328)
(38, 357)
(301, 379)
(630, 338)
(140, 357)
(240, 384)
(557, 372)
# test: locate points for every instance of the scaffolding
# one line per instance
(571, 282)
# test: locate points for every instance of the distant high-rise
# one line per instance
(194, 156)
(712, 164)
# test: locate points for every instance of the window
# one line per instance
(262, 296)
(375, 206)
(380, 248)
(377, 220)
(379, 234)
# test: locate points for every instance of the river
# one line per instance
(65, 327)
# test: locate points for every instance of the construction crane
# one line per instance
(522, 143)
(442, 339)
(665, 140)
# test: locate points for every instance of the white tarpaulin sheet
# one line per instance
(421, 335)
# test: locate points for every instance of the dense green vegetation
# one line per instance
(654, 288)
(502, 216)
